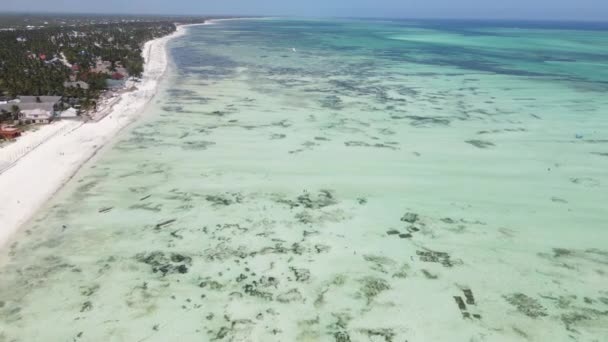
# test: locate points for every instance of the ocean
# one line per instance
(338, 180)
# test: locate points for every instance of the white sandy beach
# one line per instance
(41, 162)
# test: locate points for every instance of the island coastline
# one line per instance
(58, 151)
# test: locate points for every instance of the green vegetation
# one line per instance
(39, 54)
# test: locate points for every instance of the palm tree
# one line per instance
(15, 112)
(4, 115)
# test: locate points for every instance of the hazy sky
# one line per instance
(515, 9)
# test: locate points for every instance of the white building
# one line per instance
(35, 109)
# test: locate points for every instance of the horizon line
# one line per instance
(219, 16)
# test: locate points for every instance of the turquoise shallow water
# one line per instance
(313, 180)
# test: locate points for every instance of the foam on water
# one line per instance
(338, 181)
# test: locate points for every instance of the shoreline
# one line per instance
(35, 177)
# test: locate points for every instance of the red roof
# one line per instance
(75, 67)
(42, 56)
(9, 132)
(117, 76)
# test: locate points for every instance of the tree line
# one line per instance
(37, 61)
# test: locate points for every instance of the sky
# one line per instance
(481, 9)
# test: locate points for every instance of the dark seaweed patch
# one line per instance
(372, 287)
(210, 285)
(86, 306)
(341, 336)
(526, 305)
(560, 252)
(197, 145)
(442, 258)
(256, 288)
(323, 199)
(364, 144)
(301, 274)
(292, 295)
(388, 335)
(277, 136)
(147, 206)
(409, 217)
(425, 120)
(429, 275)
(503, 130)
(164, 223)
(462, 306)
(225, 199)
(165, 264)
(469, 296)
(480, 143)
(558, 200)
(332, 102)
(585, 181)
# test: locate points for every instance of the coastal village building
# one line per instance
(117, 76)
(104, 67)
(34, 109)
(38, 109)
(37, 112)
